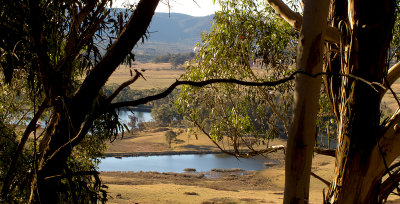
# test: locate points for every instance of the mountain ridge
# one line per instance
(173, 33)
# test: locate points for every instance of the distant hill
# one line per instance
(173, 33)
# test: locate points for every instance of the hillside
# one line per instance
(174, 33)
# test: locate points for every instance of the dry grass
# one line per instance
(157, 75)
(154, 141)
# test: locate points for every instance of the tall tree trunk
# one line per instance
(359, 167)
(302, 132)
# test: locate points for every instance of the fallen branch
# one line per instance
(326, 152)
(321, 179)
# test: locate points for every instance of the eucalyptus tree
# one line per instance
(244, 34)
(356, 75)
(58, 46)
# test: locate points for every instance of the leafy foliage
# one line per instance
(244, 35)
(166, 114)
(170, 136)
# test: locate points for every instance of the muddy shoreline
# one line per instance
(136, 154)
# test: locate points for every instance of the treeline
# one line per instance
(174, 59)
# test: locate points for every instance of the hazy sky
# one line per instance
(202, 8)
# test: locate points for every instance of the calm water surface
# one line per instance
(142, 116)
(177, 163)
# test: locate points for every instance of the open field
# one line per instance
(157, 75)
(153, 140)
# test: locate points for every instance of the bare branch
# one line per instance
(234, 81)
(131, 34)
(125, 84)
(295, 19)
(201, 84)
(392, 76)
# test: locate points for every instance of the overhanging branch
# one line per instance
(201, 84)
(165, 93)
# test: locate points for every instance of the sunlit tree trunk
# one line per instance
(302, 132)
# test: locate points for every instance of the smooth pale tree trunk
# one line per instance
(302, 132)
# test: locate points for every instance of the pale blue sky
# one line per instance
(204, 7)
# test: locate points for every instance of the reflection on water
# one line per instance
(177, 163)
(142, 116)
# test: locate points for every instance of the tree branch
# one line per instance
(234, 81)
(295, 20)
(131, 34)
(326, 152)
(390, 139)
(392, 76)
(200, 84)
(388, 186)
(393, 73)
(125, 84)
